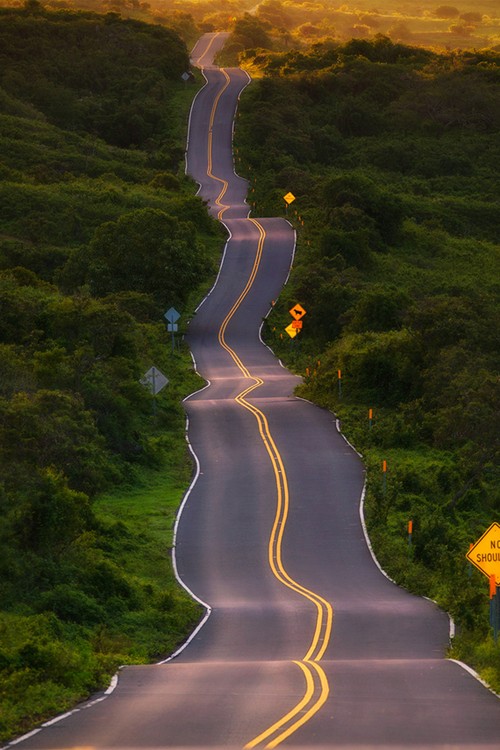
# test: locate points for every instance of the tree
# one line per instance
(446, 11)
(251, 33)
(360, 192)
(52, 515)
(145, 251)
(52, 429)
(379, 308)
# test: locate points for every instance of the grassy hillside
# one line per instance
(391, 152)
(100, 233)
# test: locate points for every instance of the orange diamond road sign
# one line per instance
(289, 198)
(485, 553)
(297, 312)
(292, 332)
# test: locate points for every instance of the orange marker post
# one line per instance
(339, 374)
(370, 418)
(410, 532)
(493, 586)
(384, 475)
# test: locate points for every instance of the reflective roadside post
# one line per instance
(494, 606)
(410, 532)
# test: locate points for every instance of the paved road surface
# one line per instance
(307, 644)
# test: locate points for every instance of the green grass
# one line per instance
(148, 510)
(48, 663)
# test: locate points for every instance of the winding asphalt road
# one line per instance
(307, 644)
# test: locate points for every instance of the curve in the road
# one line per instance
(242, 676)
(316, 682)
(316, 689)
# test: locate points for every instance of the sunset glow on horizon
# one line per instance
(461, 25)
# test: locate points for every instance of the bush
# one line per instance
(72, 605)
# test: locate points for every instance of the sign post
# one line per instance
(172, 316)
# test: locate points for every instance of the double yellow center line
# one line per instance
(316, 683)
(219, 198)
(317, 688)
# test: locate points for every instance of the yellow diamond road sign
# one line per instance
(485, 553)
(297, 312)
(289, 198)
(292, 332)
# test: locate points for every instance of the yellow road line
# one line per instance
(212, 40)
(291, 714)
(324, 615)
(317, 688)
(325, 691)
(224, 182)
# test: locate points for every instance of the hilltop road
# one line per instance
(307, 644)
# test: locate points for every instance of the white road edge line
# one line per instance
(475, 675)
(60, 717)
(451, 633)
(208, 608)
(21, 739)
(452, 628)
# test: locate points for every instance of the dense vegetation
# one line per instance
(391, 152)
(96, 242)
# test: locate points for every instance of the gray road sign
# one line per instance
(155, 380)
(172, 315)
